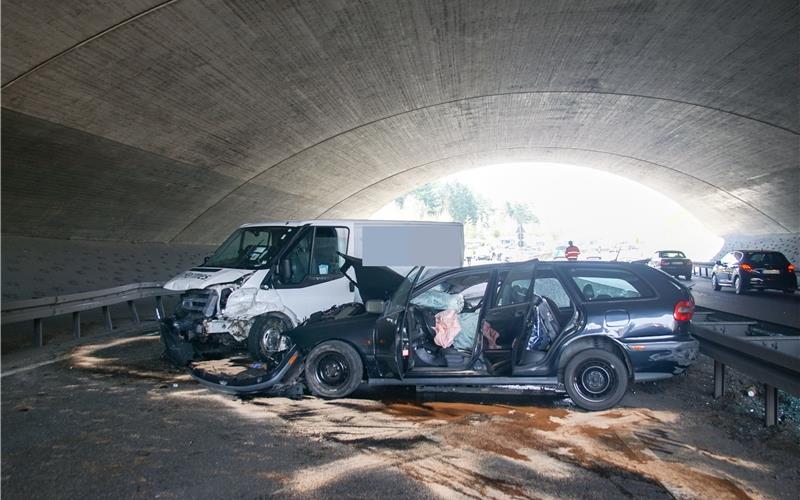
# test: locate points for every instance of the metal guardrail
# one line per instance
(48, 307)
(699, 268)
(772, 360)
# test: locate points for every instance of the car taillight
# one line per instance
(663, 263)
(745, 267)
(791, 268)
(683, 310)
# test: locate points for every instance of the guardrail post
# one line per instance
(134, 314)
(38, 336)
(107, 318)
(770, 405)
(76, 324)
(719, 379)
(159, 307)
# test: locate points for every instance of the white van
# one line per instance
(269, 277)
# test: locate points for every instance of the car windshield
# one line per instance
(250, 247)
(766, 259)
(671, 254)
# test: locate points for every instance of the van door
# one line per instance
(309, 276)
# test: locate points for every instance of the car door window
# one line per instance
(609, 284)
(551, 288)
(515, 286)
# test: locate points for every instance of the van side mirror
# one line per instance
(374, 306)
(285, 270)
(719, 262)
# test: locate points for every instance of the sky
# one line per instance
(585, 204)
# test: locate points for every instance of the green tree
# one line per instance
(431, 197)
(461, 202)
(521, 213)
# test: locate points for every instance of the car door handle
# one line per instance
(518, 314)
(617, 318)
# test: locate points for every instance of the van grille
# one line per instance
(199, 301)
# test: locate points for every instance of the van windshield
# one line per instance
(251, 247)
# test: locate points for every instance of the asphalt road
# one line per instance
(770, 306)
(111, 419)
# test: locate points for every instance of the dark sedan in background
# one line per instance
(673, 262)
(754, 270)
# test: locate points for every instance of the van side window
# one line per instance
(609, 284)
(328, 241)
(299, 258)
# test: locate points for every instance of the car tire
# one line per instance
(596, 379)
(715, 283)
(333, 370)
(738, 286)
(263, 326)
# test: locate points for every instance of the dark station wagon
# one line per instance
(586, 329)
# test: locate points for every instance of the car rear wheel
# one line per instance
(262, 334)
(596, 379)
(715, 283)
(333, 369)
(738, 285)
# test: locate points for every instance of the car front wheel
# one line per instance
(715, 283)
(596, 379)
(333, 370)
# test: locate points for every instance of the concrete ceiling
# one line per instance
(176, 121)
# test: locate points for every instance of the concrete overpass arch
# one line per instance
(176, 121)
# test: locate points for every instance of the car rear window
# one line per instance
(766, 258)
(609, 284)
(670, 254)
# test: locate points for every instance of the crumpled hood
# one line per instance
(202, 277)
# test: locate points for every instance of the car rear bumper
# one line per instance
(677, 270)
(780, 282)
(661, 359)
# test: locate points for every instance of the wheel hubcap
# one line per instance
(332, 370)
(271, 336)
(595, 380)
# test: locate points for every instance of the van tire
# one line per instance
(261, 327)
(333, 369)
(596, 379)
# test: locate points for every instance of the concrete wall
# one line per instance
(178, 121)
(38, 267)
(788, 244)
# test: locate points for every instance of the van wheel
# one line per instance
(261, 332)
(596, 379)
(333, 370)
(715, 283)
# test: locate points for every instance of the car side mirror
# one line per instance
(285, 270)
(205, 259)
(374, 306)
(719, 262)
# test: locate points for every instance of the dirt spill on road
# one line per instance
(464, 448)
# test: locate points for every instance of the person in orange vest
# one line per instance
(572, 252)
